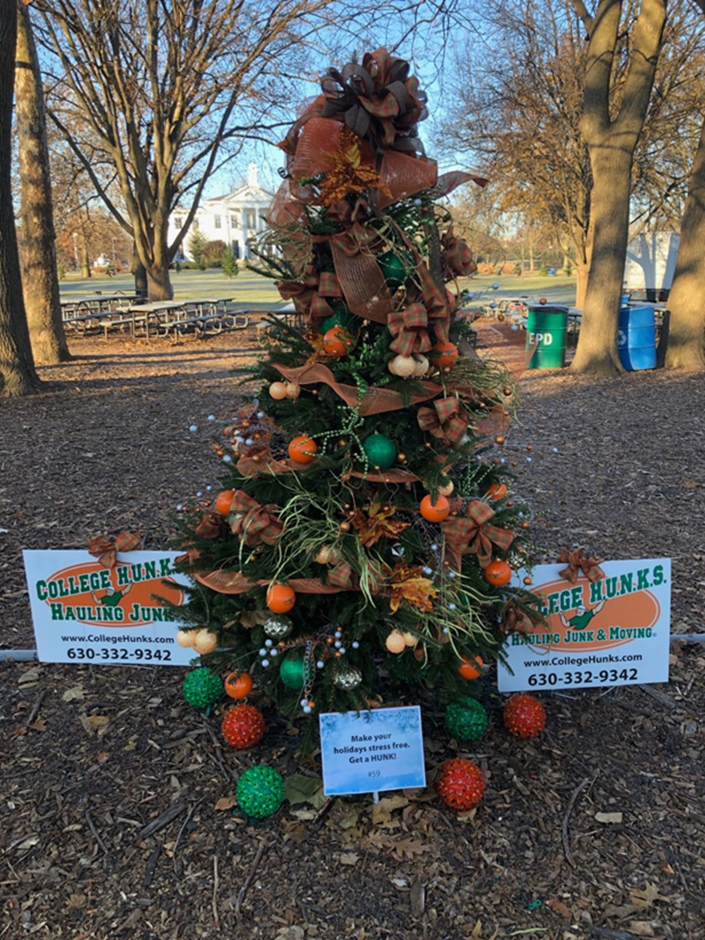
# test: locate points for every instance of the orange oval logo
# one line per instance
(123, 596)
(575, 623)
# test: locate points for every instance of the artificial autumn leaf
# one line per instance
(347, 172)
(407, 584)
(377, 524)
(253, 618)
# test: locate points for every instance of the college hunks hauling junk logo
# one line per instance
(123, 596)
(610, 612)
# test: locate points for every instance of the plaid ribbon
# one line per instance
(456, 256)
(409, 327)
(209, 526)
(341, 576)
(377, 100)
(516, 620)
(578, 561)
(474, 534)
(105, 549)
(308, 298)
(254, 523)
(329, 285)
(446, 420)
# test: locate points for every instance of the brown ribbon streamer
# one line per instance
(374, 401)
(105, 548)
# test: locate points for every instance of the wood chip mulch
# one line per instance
(116, 818)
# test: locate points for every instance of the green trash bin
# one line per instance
(546, 329)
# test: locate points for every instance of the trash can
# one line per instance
(546, 329)
(636, 338)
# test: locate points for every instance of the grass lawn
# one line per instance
(254, 292)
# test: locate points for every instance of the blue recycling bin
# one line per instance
(636, 338)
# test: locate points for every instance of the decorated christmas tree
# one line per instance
(364, 538)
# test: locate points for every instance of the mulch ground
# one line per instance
(116, 818)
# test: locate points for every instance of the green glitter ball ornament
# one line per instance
(293, 672)
(466, 719)
(260, 791)
(395, 268)
(202, 688)
(381, 451)
(341, 316)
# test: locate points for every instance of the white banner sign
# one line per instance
(614, 631)
(84, 612)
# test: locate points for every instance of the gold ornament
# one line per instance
(395, 642)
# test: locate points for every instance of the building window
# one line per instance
(234, 222)
(250, 218)
(216, 221)
(178, 221)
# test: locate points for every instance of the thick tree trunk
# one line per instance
(597, 344)
(85, 257)
(39, 273)
(17, 372)
(159, 283)
(686, 331)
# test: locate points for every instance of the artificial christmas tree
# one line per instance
(350, 545)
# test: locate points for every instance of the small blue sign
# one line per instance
(366, 752)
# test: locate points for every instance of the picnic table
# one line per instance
(200, 315)
(86, 313)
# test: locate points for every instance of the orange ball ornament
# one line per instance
(223, 502)
(434, 512)
(524, 716)
(470, 668)
(337, 342)
(443, 353)
(497, 490)
(280, 598)
(460, 784)
(498, 573)
(303, 449)
(238, 684)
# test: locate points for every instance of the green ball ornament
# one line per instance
(466, 719)
(395, 267)
(407, 668)
(341, 316)
(381, 451)
(260, 791)
(202, 689)
(294, 673)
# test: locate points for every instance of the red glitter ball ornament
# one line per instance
(243, 726)
(460, 784)
(524, 716)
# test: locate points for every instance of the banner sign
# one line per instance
(366, 752)
(613, 631)
(84, 612)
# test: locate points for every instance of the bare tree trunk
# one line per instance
(17, 372)
(686, 330)
(39, 274)
(159, 283)
(85, 257)
(581, 282)
(597, 346)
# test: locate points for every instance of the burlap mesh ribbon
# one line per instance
(474, 533)
(105, 548)
(445, 420)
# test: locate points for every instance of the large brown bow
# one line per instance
(377, 100)
(252, 522)
(473, 533)
(409, 327)
(446, 420)
(105, 549)
(578, 561)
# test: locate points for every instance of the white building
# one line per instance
(236, 218)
